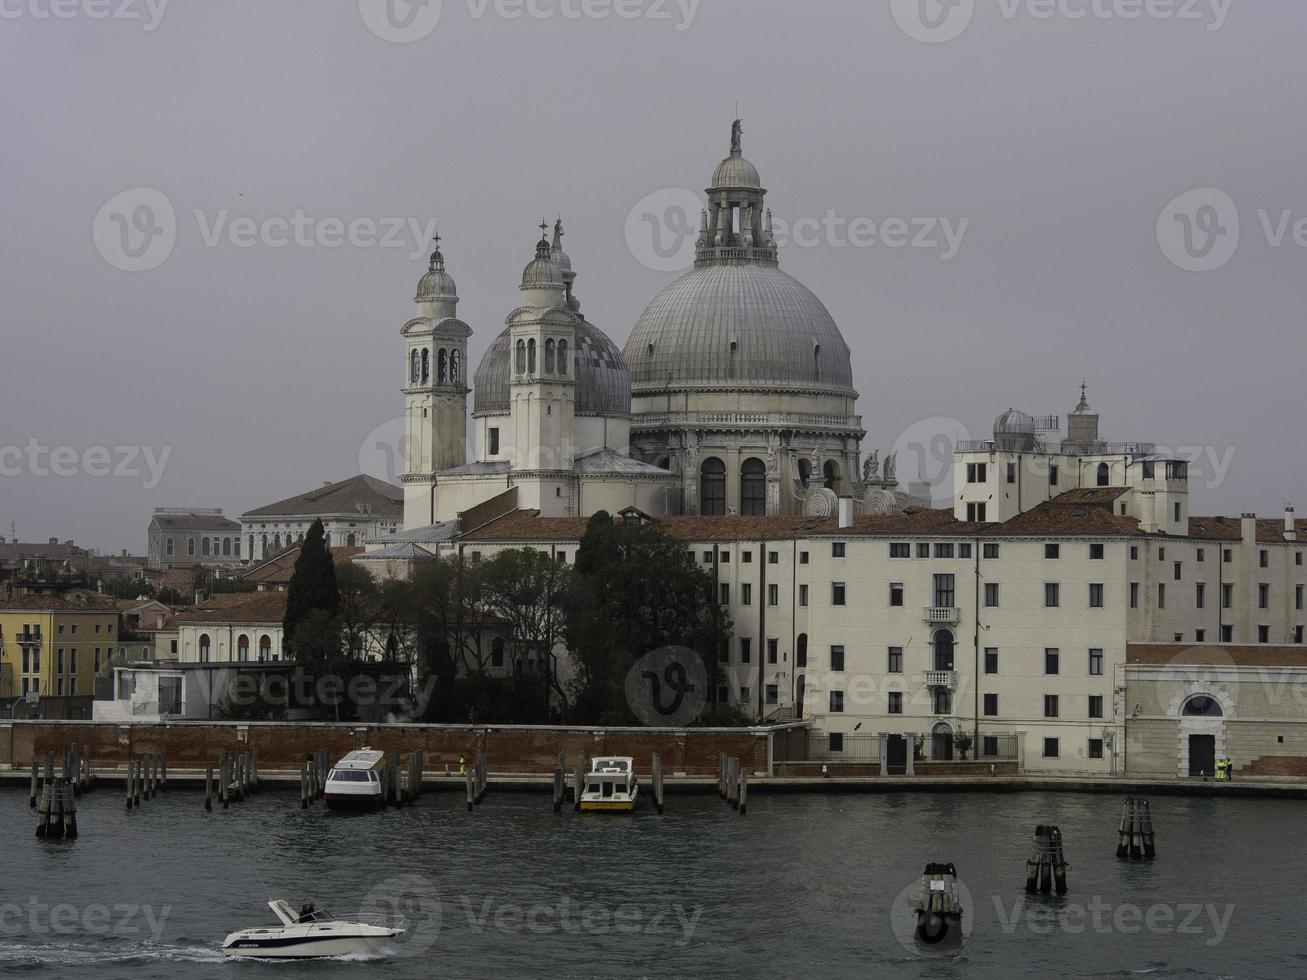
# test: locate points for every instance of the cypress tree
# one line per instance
(312, 585)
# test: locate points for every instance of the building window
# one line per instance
(746, 557)
(1264, 558)
(1052, 475)
(1095, 595)
(1050, 748)
(1052, 550)
(836, 702)
(1200, 555)
(243, 648)
(1051, 660)
(746, 594)
(1104, 475)
(168, 546)
(1095, 748)
(190, 546)
(964, 550)
(900, 549)
(725, 597)
(204, 648)
(942, 701)
(494, 441)
(895, 703)
(772, 650)
(1297, 597)
(1263, 596)
(976, 513)
(753, 488)
(746, 651)
(977, 473)
(945, 594)
(991, 595)
(773, 595)
(803, 595)
(1095, 706)
(1052, 597)
(801, 651)
(1227, 634)
(837, 658)
(837, 549)
(1227, 596)
(990, 550)
(944, 551)
(1050, 705)
(1200, 636)
(803, 558)
(1161, 596)
(835, 742)
(1227, 556)
(1179, 570)
(712, 488)
(837, 593)
(991, 704)
(1095, 662)
(895, 665)
(944, 647)
(1011, 472)
(923, 550)
(1200, 595)
(991, 660)
(1263, 634)
(773, 558)
(896, 594)
(1096, 552)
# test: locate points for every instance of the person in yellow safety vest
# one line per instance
(1222, 770)
(462, 766)
(1229, 769)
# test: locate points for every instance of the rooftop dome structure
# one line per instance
(1014, 430)
(436, 283)
(736, 321)
(542, 271)
(603, 383)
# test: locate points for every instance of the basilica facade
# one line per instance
(733, 395)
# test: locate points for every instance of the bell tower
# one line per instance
(542, 385)
(435, 391)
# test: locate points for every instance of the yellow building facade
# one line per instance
(52, 647)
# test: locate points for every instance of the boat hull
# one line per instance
(304, 948)
(353, 801)
(608, 806)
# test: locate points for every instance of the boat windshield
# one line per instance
(352, 776)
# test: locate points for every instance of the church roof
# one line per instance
(403, 551)
(603, 382)
(609, 461)
(196, 522)
(361, 494)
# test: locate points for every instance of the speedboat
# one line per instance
(355, 781)
(610, 786)
(310, 933)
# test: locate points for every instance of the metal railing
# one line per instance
(752, 419)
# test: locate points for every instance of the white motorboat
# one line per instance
(309, 933)
(610, 786)
(355, 781)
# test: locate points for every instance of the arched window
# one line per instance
(943, 643)
(801, 651)
(712, 487)
(816, 360)
(226, 547)
(169, 546)
(243, 648)
(454, 366)
(521, 357)
(753, 488)
(426, 365)
(276, 543)
(442, 366)
(831, 475)
(415, 366)
(562, 357)
(204, 648)
(549, 357)
(1104, 475)
(805, 472)
(1201, 706)
(531, 356)
(265, 648)
(349, 540)
(204, 546)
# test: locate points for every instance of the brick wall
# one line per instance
(284, 746)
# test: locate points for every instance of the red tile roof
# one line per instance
(1270, 530)
(249, 607)
(279, 568)
(1215, 655)
(57, 603)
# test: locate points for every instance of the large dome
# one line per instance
(738, 326)
(603, 382)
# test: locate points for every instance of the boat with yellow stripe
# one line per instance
(610, 786)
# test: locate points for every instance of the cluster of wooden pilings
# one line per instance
(476, 781)
(313, 778)
(55, 796)
(733, 783)
(401, 782)
(147, 776)
(1046, 868)
(237, 775)
(1136, 833)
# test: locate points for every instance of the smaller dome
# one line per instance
(542, 272)
(735, 171)
(1014, 430)
(437, 283)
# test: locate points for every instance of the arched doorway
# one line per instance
(753, 488)
(712, 488)
(941, 742)
(265, 648)
(1202, 727)
(205, 648)
(243, 648)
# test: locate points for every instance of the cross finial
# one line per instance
(1084, 387)
(436, 238)
(544, 228)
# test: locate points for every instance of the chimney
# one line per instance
(1290, 524)
(54, 541)
(1249, 529)
(846, 512)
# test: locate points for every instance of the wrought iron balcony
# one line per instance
(946, 679)
(945, 615)
(30, 639)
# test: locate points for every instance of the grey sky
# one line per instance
(1061, 140)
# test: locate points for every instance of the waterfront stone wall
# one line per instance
(285, 745)
(1159, 746)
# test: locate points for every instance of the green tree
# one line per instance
(527, 595)
(312, 585)
(634, 590)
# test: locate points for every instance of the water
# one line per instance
(804, 886)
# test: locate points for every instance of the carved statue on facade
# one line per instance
(870, 469)
(891, 468)
(737, 134)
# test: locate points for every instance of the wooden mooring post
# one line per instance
(657, 779)
(36, 786)
(578, 786)
(742, 793)
(43, 810)
(70, 811)
(131, 790)
(224, 781)
(471, 789)
(1046, 867)
(304, 786)
(558, 789)
(482, 781)
(208, 788)
(1136, 838)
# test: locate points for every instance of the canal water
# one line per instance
(806, 886)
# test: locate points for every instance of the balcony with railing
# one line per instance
(947, 679)
(943, 615)
(27, 638)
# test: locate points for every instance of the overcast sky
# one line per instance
(1055, 144)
